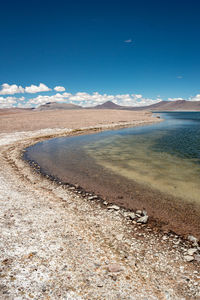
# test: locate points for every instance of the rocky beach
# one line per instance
(57, 243)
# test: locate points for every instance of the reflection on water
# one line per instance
(164, 156)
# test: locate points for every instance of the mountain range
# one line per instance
(178, 105)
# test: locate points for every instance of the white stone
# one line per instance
(115, 207)
(130, 215)
(119, 237)
(192, 251)
(143, 220)
(188, 258)
(193, 239)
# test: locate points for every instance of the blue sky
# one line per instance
(142, 50)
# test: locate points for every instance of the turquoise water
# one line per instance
(165, 156)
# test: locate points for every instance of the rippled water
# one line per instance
(164, 156)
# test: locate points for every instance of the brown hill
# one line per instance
(108, 105)
(179, 105)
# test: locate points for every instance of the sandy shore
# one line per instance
(57, 245)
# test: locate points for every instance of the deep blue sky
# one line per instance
(80, 45)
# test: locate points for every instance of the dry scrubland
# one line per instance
(57, 245)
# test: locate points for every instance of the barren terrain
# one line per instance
(12, 121)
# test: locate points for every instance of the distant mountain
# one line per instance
(178, 105)
(108, 105)
(54, 105)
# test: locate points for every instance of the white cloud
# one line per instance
(66, 95)
(21, 98)
(24, 105)
(128, 41)
(40, 100)
(7, 102)
(179, 77)
(195, 98)
(85, 99)
(59, 88)
(37, 89)
(175, 99)
(11, 89)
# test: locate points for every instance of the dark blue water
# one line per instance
(183, 137)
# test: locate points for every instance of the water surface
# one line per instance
(155, 166)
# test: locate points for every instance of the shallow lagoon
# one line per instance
(165, 156)
(150, 166)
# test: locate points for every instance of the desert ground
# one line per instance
(12, 121)
(56, 244)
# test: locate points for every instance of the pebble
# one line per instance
(191, 251)
(144, 213)
(114, 268)
(115, 207)
(197, 258)
(193, 239)
(143, 220)
(119, 237)
(92, 197)
(188, 258)
(130, 215)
